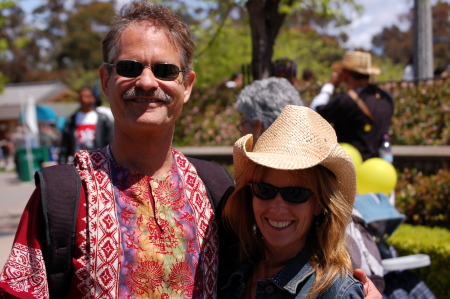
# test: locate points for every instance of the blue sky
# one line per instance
(377, 14)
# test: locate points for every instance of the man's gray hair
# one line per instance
(140, 11)
(265, 99)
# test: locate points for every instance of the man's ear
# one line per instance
(104, 78)
(188, 83)
(258, 125)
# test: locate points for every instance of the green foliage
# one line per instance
(424, 199)
(85, 29)
(421, 115)
(389, 71)
(4, 6)
(309, 50)
(80, 77)
(209, 118)
(217, 61)
(434, 242)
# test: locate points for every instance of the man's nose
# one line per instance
(147, 79)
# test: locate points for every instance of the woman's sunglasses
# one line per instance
(291, 194)
(133, 69)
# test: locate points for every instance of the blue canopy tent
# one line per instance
(43, 113)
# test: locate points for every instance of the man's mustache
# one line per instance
(156, 94)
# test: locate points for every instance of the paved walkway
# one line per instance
(14, 195)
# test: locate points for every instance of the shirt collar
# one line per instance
(287, 278)
(293, 274)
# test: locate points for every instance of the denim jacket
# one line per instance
(293, 281)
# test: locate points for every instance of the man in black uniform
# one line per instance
(362, 114)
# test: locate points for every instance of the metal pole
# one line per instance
(423, 40)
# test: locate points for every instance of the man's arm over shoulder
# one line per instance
(370, 290)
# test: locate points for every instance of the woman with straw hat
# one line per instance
(293, 199)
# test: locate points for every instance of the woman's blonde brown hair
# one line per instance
(325, 242)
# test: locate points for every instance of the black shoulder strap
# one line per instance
(60, 193)
(216, 178)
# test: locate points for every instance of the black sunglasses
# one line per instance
(133, 69)
(291, 194)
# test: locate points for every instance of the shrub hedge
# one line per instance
(424, 199)
(422, 113)
(421, 116)
(435, 242)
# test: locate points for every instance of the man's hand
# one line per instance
(369, 288)
(336, 78)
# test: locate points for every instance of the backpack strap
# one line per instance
(216, 178)
(60, 195)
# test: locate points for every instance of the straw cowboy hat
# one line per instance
(357, 61)
(298, 139)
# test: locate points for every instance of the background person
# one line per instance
(260, 103)
(293, 199)
(236, 80)
(8, 151)
(361, 115)
(286, 68)
(86, 129)
(103, 109)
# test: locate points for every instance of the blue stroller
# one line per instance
(375, 219)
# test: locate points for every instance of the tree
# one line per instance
(86, 25)
(398, 45)
(16, 45)
(4, 5)
(267, 17)
(395, 44)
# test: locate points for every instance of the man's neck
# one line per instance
(86, 109)
(147, 154)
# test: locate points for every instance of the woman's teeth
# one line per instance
(279, 224)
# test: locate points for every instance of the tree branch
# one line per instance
(221, 24)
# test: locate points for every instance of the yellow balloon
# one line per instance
(376, 175)
(354, 154)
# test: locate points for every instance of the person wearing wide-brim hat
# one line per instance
(362, 113)
(294, 195)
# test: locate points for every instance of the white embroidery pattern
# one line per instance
(25, 271)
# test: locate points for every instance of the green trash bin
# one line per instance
(38, 155)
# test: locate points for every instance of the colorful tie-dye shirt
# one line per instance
(160, 251)
(136, 236)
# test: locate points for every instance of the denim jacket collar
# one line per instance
(290, 277)
(287, 278)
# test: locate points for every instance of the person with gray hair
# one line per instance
(262, 101)
(145, 227)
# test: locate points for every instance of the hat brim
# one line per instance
(339, 66)
(337, 161)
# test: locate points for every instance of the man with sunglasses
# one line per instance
(145, 225)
